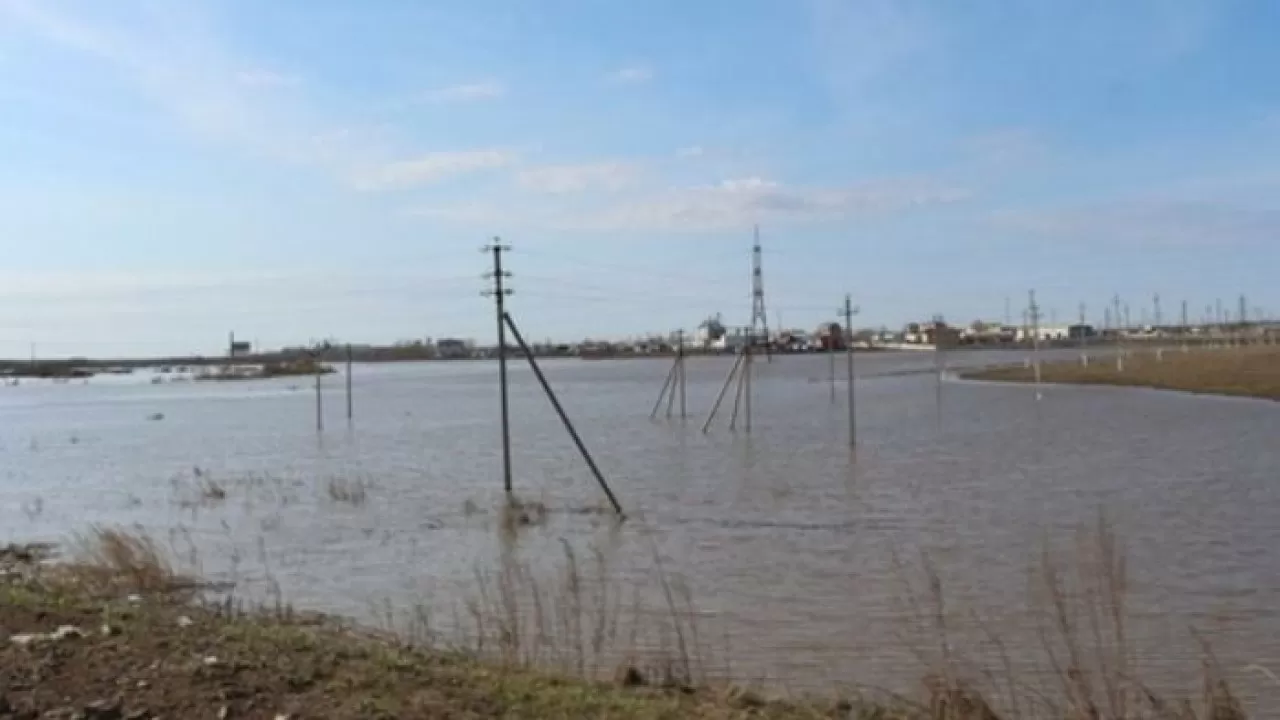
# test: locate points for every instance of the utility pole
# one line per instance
(319, 402)
(499, 294)
(1082, 329)
(349, 401)
(1186, 328)
(848, 312)
(680, 359)
(1244, 316)
(759, 318)
(1033, 311)
(1008, 318)
(1157, 316)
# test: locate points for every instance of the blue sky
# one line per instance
(171, 170)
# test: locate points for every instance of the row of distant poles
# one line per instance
(741, 371)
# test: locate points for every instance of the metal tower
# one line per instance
(759, 317)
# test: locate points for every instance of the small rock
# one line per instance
(210, 661)
(185, 622)
(223, 712)
(109, 630)
(103, 710)
(66, 631)
(25, 639)
(135, 599)
(138, 715)
(143, 684)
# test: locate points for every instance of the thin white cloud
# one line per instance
(576, 178)
(470, 92)
(631, 75)
(729, 204)
(174, 61)
(1151, 223)
(260, 78)
(740, 202)
(432, 168)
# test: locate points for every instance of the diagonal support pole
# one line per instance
(720, 396)
(564, 417)
(671, 375)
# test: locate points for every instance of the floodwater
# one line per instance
(803, 558)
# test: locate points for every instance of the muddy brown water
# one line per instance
(799, 553)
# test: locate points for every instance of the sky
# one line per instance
(173, 170)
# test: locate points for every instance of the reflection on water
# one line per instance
(795, 548)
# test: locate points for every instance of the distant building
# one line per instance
(452, 348)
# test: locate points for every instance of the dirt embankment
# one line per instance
(1238, 371)
(126, 641)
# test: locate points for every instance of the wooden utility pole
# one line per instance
(349, 398)
(848, 312)
(680, 359)
(499, 294)
(1033, 312)
(319, 402)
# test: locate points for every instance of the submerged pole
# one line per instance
(319, 401)
(848, 312)
(680, 359)
(564, 417)
(666, 384)
(349, 399)
(715, 407)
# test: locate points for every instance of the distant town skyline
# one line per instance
(299, 170)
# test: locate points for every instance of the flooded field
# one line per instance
(802, 558)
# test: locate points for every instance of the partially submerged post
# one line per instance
(680, 360)
(1034, 311)
(849, 311)
(564, 417)
(674, 383)
(349, 399)
(319, 401)
(499, 293)
(715, 407)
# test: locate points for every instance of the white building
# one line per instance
(1045, 332)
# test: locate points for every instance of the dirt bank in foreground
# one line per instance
(1244, 372)
(78, 643)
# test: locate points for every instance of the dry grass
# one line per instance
(1243, 371)
(114, 561)
(577, 623)
(348, 492)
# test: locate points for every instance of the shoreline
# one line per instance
(113, 632)
(1252, 373)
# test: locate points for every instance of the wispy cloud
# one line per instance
(175, 63)
(261, 78)
(631, 75)
(740, 202)
(432, 168)
(733, 203)
(469, 92)
(576, 178)
(1149, 223)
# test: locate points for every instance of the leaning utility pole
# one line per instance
(499, 294)
(848, 313)
(759, 318)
